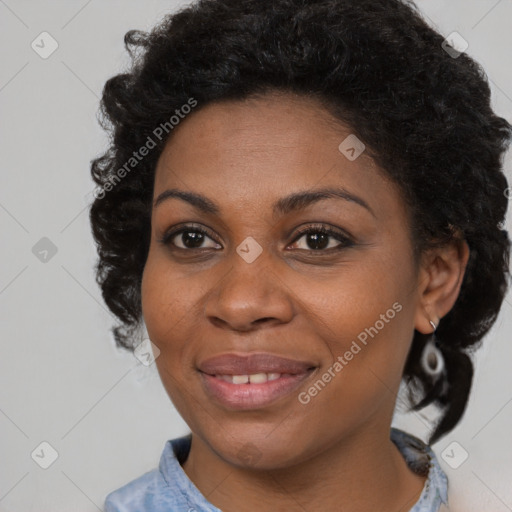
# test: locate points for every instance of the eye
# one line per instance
(316, 238)
(322, 238)
(190, 238)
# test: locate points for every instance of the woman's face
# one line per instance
(340, 306)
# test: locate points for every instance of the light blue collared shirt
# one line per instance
(168, 488)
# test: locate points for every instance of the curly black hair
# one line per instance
(423, 113)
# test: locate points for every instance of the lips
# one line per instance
(251, 364)
(252, 381)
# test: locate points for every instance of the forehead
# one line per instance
(265, 148)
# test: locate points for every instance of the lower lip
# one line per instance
(251, 396)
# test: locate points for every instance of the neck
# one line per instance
(360, 473)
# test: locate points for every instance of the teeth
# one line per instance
(255, 378)
(258, 378)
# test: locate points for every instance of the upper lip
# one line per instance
(249, 364)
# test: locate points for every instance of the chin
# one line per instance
(253, 448)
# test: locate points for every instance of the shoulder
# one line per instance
(158, 490)
(422, 460)
(135, 494)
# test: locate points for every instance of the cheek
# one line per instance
(365, 315)
(165, 300)
(367, 340)
(165, 306)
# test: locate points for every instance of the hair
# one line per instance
(423, 114)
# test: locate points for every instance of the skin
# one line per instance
(334, 452)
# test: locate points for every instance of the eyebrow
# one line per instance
(283, 206)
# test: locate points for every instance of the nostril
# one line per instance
(261, 320)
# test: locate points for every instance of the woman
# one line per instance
(303, 203)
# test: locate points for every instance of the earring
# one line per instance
(432, 359)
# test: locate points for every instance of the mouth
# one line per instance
(255, 378)
(252, 381)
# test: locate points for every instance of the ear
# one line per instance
(439, 281)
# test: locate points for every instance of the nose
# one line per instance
(249, 296)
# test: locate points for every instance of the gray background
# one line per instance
(62, 379)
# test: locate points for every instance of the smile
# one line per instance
(252, 381)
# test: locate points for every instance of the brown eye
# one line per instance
(189, 238)
(322, 238)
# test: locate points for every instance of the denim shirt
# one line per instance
(168, 488)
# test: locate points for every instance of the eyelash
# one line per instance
(345, 241)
